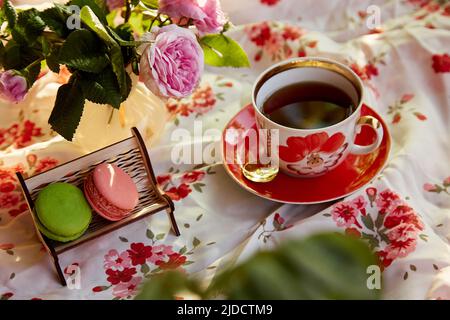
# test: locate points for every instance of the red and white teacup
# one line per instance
(314, 152)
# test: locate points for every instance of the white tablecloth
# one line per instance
(404, 63)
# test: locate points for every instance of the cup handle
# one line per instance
(376, 126)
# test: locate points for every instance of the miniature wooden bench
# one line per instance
(131, 155)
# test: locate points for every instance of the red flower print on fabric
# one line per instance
(117, 276)
(345, 214)
(277, 40)
(9, 200)
(385, 200)
(139, 253)
(366, 72)
(180, 187)
(389, 225)
(292, 33)
(19, 135)
(126, 269)
(11, 197)
(270, 2)
(316, 153)
(443, 187)
(128, 289)
(116, 261)
(6, 246)
(278, 223)
(441, 63)
(45, 164)
(193, 176)
(353, 232)
(259, 33)
(6, 295)
(175, 260)
(401, 106)
(200, 102)
(180, 192)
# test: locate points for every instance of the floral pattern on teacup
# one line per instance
(313, 154)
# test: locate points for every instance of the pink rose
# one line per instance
(214, 19)
(13, 86)
(207, 15)
(173, 64)
(114, 4)
(177, 9)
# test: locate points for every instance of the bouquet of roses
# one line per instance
(100, 43)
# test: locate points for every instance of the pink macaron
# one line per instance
(111, 192)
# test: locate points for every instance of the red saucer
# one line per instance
(355, 172)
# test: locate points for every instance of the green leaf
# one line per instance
(222, 51)
(373, 242)
(66, 113)
(56, 19)
(145, 268)
(384, 237)
(99, 7)
(10, 13)
(160, 236)
(53, 58)
(82, 51)
(196, 242)
(101, 88)
(152, 4)
(379, 221)
(111, 17)
(17, 56)
(28, 28)
(150, 234)
(324, 266)
(121, 31)
(198, 186)
(183, 250)
(32, 73)
(368, 222)
(92, 21)
(167, 285)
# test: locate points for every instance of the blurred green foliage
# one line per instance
(323, 266)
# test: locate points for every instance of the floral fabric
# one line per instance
(404, 214)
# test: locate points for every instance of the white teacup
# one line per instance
(314, 152)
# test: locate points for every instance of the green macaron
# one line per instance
(63, 212)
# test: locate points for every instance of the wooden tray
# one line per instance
(130, 155)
